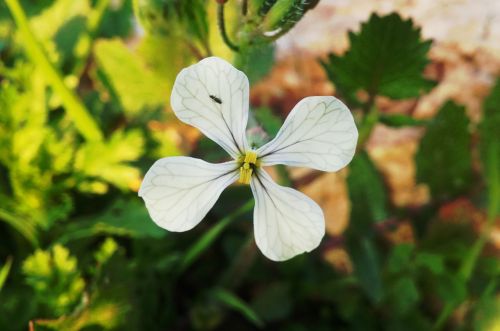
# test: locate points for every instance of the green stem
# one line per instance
(443, 316)
(75, 109)
(366, 128)
(469, 263)
(240, 265)
(209, 237)
(222, 28)
(493, 201)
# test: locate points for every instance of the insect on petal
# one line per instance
(286, 222)
(212, 96)
(318, 133)
(179, 191)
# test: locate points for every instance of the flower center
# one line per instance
(249, 163)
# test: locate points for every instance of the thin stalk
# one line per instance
(366, 128)
(469, 263)
(493, 205)
(240, 265)
(222, 28)
(209, 237)
(75, 109)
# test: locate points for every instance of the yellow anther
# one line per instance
(246, 170)
(250, 157)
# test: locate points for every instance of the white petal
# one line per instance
(318, 133)
(179, 191)
(286, 222)
(212, 96)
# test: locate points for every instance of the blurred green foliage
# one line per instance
(81, 83)
(444, 157)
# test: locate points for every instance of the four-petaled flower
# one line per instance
(212, 95)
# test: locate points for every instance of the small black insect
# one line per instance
(215, 99)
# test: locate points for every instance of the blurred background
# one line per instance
(413, 238)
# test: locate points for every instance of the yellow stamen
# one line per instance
(246, 170)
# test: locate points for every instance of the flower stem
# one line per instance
(240, 265)
(470, 261)
(209, 237)
(222, 28)
(369, 121)
(75, 109)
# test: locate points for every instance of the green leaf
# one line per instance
(25, 228)
(123, 218)
(400, 258)
(487, 313)
(366, 192)
(4, 272)
(269, 121)
(55, 277)
(130, 82)
(235, 303)
(256, 61)
(400, 120)
(432, 262)
(274, 302)
(490, 144)
(116, 20)
(108, 160)
(444, 157)
(404, 295)
(174, 18)
(209, 237)
(367, 268)
(107, 249)
(387, 57)
(451, 288)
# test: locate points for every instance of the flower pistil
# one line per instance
(249, 162)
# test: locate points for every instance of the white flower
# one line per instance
(212, 95)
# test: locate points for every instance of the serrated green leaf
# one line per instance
(444, 157)
(387, 57)
(237, 304)
(109, 160)
(135, 87)
(366, 192)
(55, 278)
(173, 18)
